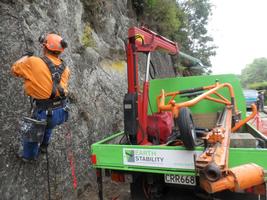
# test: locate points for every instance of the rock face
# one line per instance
(96, 32)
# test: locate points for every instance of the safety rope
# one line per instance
(48, 177)
(71, 157)
(20, 20)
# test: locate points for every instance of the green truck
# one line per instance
(207, 146)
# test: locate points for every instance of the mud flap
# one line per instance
(32, 130)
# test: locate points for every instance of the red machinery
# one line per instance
(135, 101)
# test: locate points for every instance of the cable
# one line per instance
(142, 130)
(48, 179)
(150, 104)
(21, 27)
(154, 71)
(121, 140)
(19, 19)
(70, 156)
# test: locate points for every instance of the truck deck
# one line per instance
(112, 155)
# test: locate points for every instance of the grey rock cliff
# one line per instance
(96, 32)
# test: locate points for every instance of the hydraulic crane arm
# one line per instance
(146, 40)
(135, 101)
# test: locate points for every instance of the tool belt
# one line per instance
(32, 130)
(46, 104)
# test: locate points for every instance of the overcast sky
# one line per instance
(239, 29)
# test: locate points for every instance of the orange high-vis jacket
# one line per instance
(37, 77)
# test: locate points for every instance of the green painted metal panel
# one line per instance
(239, 156)
(148, 170)
(205, 106)
(110, 156)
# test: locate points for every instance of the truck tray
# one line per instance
(164, 159)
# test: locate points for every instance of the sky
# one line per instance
(239, 30)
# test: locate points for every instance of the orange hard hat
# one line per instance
(54, 42)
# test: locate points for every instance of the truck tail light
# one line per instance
(93, 159)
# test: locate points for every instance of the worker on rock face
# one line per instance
(45, 81)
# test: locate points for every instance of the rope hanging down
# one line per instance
(71, 157)
(48, 178)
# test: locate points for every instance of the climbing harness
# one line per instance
(45, 104)
(56, 72)
(53, 102)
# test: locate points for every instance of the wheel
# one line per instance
(136, 189)
(142, 190)
(187, 129)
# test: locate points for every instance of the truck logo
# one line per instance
(129, 155)
(181, 159)
(142, 156)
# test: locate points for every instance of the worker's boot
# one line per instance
(28, 152)
(23, 159)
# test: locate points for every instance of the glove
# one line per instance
(28, 53)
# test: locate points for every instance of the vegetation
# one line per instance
(87, 38)
(254, 75)
(94, 11)
(258, 85)
(181, 21)
(193, 35)
(162, 16)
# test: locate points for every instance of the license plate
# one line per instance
(180, 179)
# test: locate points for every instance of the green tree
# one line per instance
(162, 16)
(181, 21)
(255, 72)
(193, 35)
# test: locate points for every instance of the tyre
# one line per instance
(142, 190)
(187, 129)
(136, 188)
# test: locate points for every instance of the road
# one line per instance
(193, 195)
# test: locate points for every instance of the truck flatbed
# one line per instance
(110, 155)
